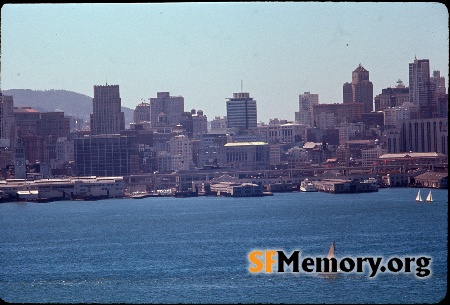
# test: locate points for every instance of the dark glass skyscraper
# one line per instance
(241, 111)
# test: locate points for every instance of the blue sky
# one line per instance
(205, 51)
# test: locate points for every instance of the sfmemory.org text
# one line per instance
(270, 261)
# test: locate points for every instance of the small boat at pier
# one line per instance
(308, 186)
(140, 195)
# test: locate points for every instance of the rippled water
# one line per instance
(194, 250)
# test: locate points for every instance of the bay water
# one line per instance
(195, 250)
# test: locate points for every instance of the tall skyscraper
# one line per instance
(440, 98)
(420, 89)
(166, 110)
(7, 119)
(306, 102)
(439, 82)
(241, 111)
(360, 90)
(107, 117)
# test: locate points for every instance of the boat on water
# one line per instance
(165, 193)
(429, 197)
(418, 197)
(307, 186)
(331, 254)
(140, 195)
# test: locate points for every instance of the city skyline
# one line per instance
(207, 52)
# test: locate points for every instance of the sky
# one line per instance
(205, 52)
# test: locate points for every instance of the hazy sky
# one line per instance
(202, 51)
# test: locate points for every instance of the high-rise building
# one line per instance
(418, 135)
(166, 110)
(392, 139)
(351, 112)
(277, 132)
(424, 135)
(325, 120)
(420, 89)
(64, 149)
(38, 132)
(55, 124)
(180, 148)
(212, 150)
(34, 147)
(106, 155)
(241, 111)
(142, 113)
(20, 168)
(248, 155)
(107, 117)
(219, 125)
(392, 97)
(187, 122)
(439, 82)
(194, 123)
(370, 157)
(395, 115)
(7, 120)
(440, 95)
(442, 105)
(306, 102)
(347, 93)
(361, 89)
(199, 124)
(27, 120)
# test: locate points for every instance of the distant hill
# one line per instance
(71, 103)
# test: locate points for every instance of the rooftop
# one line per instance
(432, 175)
(25, 110)
(309, 145)
(412, 155)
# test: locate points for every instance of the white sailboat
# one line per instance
(419, 198)
(429, 197)
(330, 255)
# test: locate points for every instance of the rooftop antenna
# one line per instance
(106, 79)
(241, 85)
